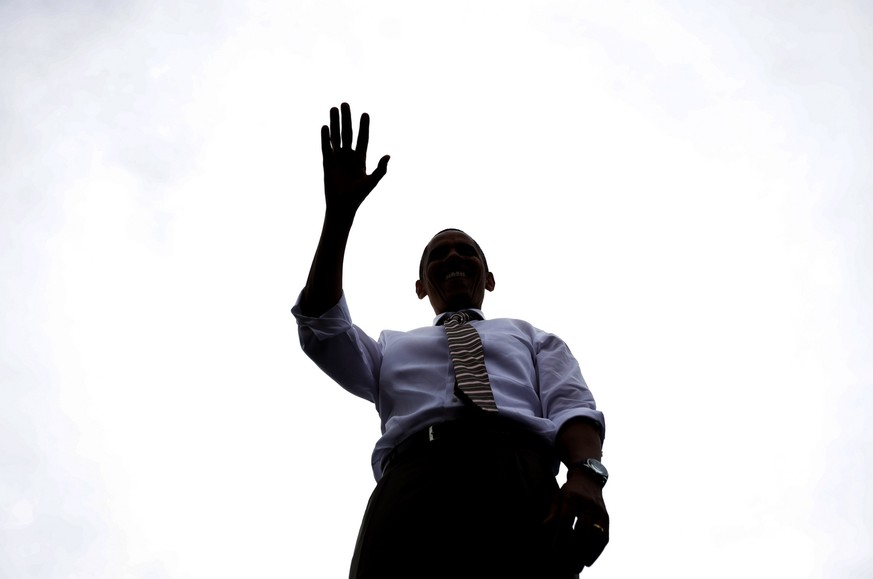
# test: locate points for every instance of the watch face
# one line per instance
(598, 467)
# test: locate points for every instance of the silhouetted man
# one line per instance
(466, 466)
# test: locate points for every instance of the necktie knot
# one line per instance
(458, 319)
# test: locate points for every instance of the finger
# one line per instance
(558, 525)
(363, 136)
(559, 541)
(347, 125)
(590, 541)
(561, 511)
(552, 516)
(325, 144)
(335, 128)
(589, 514)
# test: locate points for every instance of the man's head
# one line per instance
(453, 272)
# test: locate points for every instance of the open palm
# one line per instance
(346, 183)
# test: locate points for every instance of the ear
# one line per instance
(489, 281)
(419, 290)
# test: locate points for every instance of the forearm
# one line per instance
(578, 439)
(324, 285)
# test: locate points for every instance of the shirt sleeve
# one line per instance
(341, 349)
(563, 391)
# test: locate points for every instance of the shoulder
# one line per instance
(511, 324)
(539, 339)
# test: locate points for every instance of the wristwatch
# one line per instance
(593, 468)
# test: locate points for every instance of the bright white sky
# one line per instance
(682, 194)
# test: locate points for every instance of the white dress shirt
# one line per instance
(408, 375)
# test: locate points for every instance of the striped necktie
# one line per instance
(468, 360)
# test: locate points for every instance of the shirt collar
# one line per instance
(475, 314)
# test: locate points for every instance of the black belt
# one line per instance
(465, 430)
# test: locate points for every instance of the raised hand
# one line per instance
(346, 183)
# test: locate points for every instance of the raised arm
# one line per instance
(346, 185)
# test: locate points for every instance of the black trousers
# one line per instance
(465, 506)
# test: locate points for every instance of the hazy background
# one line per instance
(682, 193)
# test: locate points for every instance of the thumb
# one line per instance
(380, 169)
